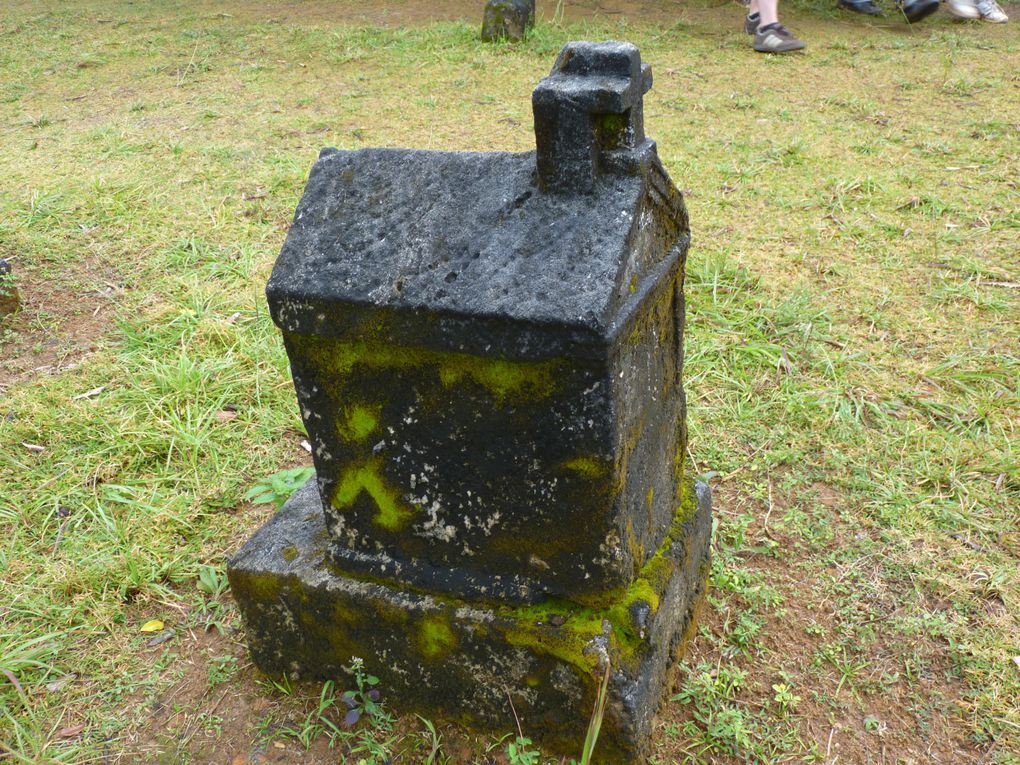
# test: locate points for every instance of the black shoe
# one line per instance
(775, 38)
(915, 10)
(866, 7)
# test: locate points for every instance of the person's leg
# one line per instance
(867, 7)
(768, 11)
(753, 18)
(771, 36)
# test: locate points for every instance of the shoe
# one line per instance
(776, 38)
(751, 25)
(915, 10)
(963, 9)
(990, 11)
(866, 7)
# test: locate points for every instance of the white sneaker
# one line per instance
(963, 9)
(990, 11)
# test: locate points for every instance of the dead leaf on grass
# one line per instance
(57, 685)
(14, 680)
(71, 731)
(161, 638)
(153, 625)
(89, 393)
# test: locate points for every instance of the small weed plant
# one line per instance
(364, 700)
(278, 488)
(520, 751)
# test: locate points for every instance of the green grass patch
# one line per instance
(852, 362)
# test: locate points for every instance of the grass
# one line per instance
(852, 365)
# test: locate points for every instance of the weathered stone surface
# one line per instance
(487, 354)
(457, 659)
(507, 19)
(589, 117)
(9, 299)
(489, 370)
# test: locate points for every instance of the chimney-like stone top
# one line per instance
(589, 119)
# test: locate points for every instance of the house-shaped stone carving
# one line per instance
(487, 353)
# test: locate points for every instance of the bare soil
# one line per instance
(60, 321)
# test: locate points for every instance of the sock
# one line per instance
(767, 27)
(754, 16)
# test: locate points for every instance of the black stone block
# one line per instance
(455, 659)
(487, 351)
(9, 300)
(507, 20)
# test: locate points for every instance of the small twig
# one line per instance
(963, 540)
(60, 535)
(520, 733)
(180, 80)
(753, 454)
(49, 481)
(694, 462)
(769, 513)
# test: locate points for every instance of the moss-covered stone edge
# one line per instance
(558, 628)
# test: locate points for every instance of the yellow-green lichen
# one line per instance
(591, 468)
(391, 512)
(358, 422)
(263, 588)
(634, 547)
(503, 379)
(289, 553)
(535, 628)
(580, 623)
(435, 636)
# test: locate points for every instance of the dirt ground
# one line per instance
(170, 726)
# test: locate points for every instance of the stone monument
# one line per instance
(9, 299)
(508, 20)
(487, 352)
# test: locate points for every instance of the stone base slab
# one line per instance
(451, 659)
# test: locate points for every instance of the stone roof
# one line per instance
(496, 235)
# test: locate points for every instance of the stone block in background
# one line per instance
(9, 299)
(508, 20)
(487, 353)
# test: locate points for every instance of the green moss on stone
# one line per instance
(534, 627)
(435, 637)
(359, 422)
(263, 588)
(503, 379)
(391, 513)
(580, 623)
(289, 553)
(591, 468)
(610, 129)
